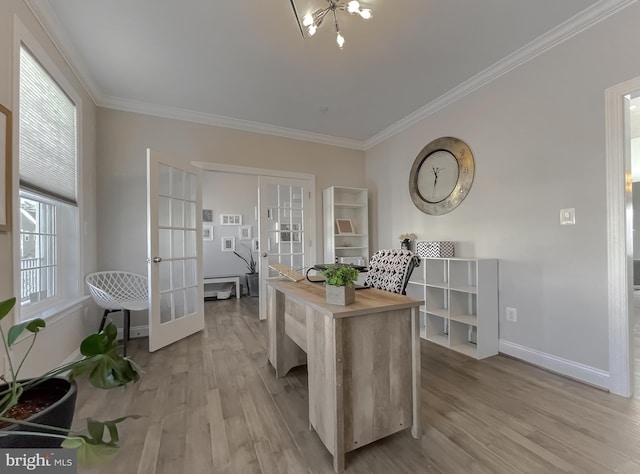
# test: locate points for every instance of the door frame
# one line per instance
(619, 241)
(273, 173)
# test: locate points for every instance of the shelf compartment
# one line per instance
(462, 305)
(415, 291)
(437, 272)
(463, 275)
(437, 301)
(437, 329)
(462, 338)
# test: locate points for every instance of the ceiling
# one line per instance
(245, 65)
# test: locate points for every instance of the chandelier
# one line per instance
(312, 21)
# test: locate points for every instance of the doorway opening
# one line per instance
(263, 248)
(634, 150)
(620, 236)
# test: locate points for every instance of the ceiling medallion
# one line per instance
(312, 21)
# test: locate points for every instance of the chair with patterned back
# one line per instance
(119, 291)
(391, 269)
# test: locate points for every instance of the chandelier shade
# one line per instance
(312, 21)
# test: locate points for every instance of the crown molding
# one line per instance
(47, 18)
(573, 26)
(129, 105)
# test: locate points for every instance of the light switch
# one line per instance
(568, 216)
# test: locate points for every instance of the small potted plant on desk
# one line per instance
(37, 412)
(339, 283)
(253, 282)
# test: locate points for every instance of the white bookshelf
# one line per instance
(346, 203)
(461, 303)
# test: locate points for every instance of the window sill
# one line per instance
(59, 311)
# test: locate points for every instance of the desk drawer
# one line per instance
(295, 323)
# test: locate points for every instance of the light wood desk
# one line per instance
(363, 361)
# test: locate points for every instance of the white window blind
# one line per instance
(48, 133)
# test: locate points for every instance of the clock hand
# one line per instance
(435, 181)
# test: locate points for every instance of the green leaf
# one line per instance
(5, 307)
(105, 365)
(31, 326)
(95, 449)
(90, 454)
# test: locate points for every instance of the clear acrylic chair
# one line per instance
(119, 291)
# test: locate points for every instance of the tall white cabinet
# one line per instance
(461, 303)
(346, 204)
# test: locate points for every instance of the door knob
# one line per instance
(157, 259)
(265, 254)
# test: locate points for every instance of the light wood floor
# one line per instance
(213, 405)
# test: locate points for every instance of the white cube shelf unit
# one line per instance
(461, 303)
(346, 204)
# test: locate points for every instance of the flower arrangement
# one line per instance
(411, 236)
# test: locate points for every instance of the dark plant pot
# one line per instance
(59, 414)
(253, 284)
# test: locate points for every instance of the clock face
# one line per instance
(441, 175)
(437, 176)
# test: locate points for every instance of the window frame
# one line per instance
(70, 260)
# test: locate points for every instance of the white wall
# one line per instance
(226, 193)
(62, 337)
(538, 138)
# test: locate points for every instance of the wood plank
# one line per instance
(495, 416)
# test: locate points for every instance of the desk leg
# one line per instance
(416, 430)
(338, 461)
(237, 282)
(284, 354)
(338, 370)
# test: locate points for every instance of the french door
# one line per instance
(285, 228)
(174, 244)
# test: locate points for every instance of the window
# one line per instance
(48, 162)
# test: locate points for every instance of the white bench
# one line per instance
(225, 279)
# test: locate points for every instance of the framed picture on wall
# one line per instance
(231, 219)
(245, 232)
(207, 232)
(207, 215)
(228, 244)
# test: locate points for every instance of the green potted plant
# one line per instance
(30, 421)
(339, 281)
(253, 283)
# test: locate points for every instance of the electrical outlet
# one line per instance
(512, 314)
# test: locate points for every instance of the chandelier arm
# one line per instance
(335, 20)
(318, 16)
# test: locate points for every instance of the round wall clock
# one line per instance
(441, 175)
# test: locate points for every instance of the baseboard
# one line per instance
(135, 332)
(568, 368)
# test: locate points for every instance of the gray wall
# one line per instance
(538, 137)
